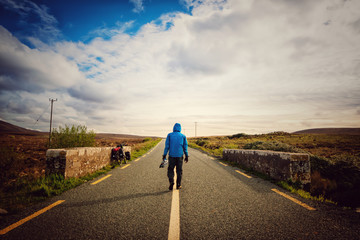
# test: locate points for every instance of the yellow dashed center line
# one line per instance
(243, 174)
(223, 164)
(125, 166)
(137, 159)
(17, 224)
(174, 225)
(101, 179)
(294, 200)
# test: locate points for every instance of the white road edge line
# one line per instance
(174, 226)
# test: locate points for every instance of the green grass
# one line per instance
(213, 150)
(302, 193)
(25, 192)
(335, 160)
(144, 147)
(273, 146)
(290, 186)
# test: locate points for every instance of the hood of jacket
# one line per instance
(177, 127)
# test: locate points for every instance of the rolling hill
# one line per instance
(8, 128)
(332, 131)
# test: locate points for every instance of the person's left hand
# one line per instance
(186, 159)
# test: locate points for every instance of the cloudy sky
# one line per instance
(139, 66)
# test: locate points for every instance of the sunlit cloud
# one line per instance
(231, 66)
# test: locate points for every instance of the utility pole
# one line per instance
(195, 129)
(52, 102)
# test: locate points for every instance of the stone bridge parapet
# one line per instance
(277, 165)
(77, 162)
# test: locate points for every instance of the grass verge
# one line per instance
(24, 192)
(291, 187)
(302, 193)
(144, 147)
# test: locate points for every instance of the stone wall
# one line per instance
(77, 162)
(277, 165)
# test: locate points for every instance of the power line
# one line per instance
(42, 114)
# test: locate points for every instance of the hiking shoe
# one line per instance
(171, 186)
(178, 187)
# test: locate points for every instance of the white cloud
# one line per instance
(45, 28)
(232, 66)
(32, 70)
(106, 32)
(138, 5)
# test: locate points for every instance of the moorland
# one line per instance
(23, 163)
(334, 157)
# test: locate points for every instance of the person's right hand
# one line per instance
(164, 157)
(186, 159)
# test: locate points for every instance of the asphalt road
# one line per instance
(216, 202)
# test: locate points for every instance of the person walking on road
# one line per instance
(176, 144)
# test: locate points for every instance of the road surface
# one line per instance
(216, 202)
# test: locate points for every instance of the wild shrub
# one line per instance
(201, 142)
(239, 135)
(24, 191)
(272, 145)
(75, 136)
(279, 133)
(213, 146)
(337, 178)
(321, 186)
(334, 160)
(9, 161)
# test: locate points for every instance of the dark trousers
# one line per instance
(175, 162)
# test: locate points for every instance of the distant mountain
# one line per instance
(332, 131)
(8, 128)
(114, 135)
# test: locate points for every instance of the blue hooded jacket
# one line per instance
(176, 143)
